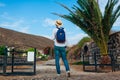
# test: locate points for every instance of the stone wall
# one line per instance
(113, 48)
(114, 45)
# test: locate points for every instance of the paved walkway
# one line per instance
(47, 71)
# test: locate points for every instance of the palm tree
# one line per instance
(89, 18)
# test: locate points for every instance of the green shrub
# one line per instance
(30, 49)
(2, 50)
(43, 56)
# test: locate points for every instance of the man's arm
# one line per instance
(53, 35)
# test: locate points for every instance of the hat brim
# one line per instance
(58, 24)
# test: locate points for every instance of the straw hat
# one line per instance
(58, 23)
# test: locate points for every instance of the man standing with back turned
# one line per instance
(59, 37)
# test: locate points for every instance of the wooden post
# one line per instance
(35, 61)
(112, 60)
(95, 61)
(83, 63)
(12, 61)
(5, 61)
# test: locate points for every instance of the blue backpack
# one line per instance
(60, 35)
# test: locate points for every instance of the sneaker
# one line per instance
(58, 75)
(68, 73)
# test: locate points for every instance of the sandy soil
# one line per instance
(48, 72)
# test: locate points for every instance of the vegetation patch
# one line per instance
(80, 63)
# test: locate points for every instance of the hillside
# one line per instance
(22, 40)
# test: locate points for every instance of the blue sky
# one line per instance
(34, 17)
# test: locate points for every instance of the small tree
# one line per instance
(84, 40)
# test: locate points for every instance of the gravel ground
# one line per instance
(48, 72)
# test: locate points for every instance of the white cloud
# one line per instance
(24, 29)
(35, 21)
(5, 24)
(74, 39)
(47, 36)
(2, 5)
(48, 22)
(9, 22)
(5, 16)
(17, 25)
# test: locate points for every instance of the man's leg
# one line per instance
(63, 54)
(57, 58)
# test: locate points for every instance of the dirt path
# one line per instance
(48, 72)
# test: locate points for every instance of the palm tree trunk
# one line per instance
(105, 58)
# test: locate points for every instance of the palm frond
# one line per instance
(65, 7)
(109, 17)
(115, 15)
